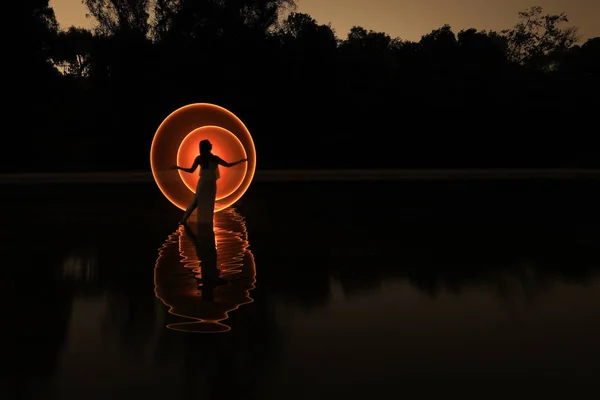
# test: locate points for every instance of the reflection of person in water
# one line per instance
(206, 271)
(206, 250)
(206, 189)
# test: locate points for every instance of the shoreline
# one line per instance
(329, 175)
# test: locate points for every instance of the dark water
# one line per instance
(477, 289)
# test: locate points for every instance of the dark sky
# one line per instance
(408, 19)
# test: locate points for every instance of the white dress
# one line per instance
(206, 193)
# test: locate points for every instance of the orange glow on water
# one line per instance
(178, 270)
(225, 145)
(170, 136)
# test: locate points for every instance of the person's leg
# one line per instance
(193, 205)
(206, 202)
(189, 210)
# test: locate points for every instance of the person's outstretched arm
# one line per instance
(190, 169)
(226, 164)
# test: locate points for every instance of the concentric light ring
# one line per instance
(171, 134)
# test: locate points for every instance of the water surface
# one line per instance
(332, 289)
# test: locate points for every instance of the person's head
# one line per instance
(205, 152)
(205, 146)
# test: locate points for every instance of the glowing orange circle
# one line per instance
(169, 137)
(226, 145)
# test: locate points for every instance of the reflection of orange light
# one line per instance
(178, 266)
(169, 138)
(225, 145)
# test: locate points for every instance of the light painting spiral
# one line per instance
(176, 142)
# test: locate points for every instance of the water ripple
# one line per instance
(204, 274)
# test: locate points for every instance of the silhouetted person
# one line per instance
(206, 189)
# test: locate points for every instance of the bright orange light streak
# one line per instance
(169, 138)
(178, 267)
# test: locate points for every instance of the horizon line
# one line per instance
(322, 175)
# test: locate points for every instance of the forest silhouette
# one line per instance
(525, 96)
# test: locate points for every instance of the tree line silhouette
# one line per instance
(521, 97)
